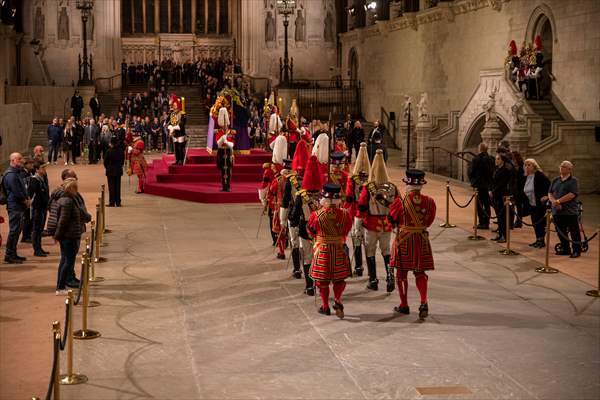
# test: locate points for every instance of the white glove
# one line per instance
(283, 214)
(357, 228)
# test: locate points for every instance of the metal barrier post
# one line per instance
(93, 277)
(55, 378)
(97, 258)
(596, 292)
(475, 236)
(447, 224)
(104, 229)
(547, 269)
(84, 333)
(70, 378)
(507, 206)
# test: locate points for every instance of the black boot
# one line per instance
(296, 261)
(223, 183)
(423, 311)
(310, 288)
(390, 280)
(358, 268)
(274, 237)
(373, 281)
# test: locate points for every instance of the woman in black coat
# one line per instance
(535, 192)
(501, 186)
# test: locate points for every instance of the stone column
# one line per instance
(519, 138)
(413, 141)
(491, 135)
(423, 134)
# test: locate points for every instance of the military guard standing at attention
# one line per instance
(354, 188)
(276, 191)
(292, 125)
(292, 186)
(305, 203)
(176, 128)
(411, 249)
(321, 149)
(373, 207)
(329, 226)
(270, 170)
(225, 141)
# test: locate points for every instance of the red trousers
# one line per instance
(338, 289)
(140, 187)
(402, 283)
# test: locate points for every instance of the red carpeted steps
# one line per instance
(199, 180)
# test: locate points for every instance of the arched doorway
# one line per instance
(541, 22)
(353, 66)
(473, 137)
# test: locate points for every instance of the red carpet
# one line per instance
(200, 180)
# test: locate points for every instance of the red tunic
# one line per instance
(276, 198)
(411, 249)
(373, 211)
(138, 162)
(329, 226)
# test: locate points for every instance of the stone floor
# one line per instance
(195, 306)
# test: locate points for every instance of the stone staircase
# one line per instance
(546, 110)
(197, 135)
(39, 134)
(195, 106)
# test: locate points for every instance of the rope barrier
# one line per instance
(596, 292)
(456, 203)
(486, 214)
(447, 224)
(575, 242)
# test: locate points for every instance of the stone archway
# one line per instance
(353, 65)
(473, 136)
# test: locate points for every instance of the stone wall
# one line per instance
(59, 47)
(15, 129)
(313, 55)
(48, 101)
(443, 49)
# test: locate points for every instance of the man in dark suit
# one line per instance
(113, 164)
(376, 141)
(77, 105)
(95, 106)
(480, 176)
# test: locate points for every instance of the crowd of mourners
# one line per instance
(531, 192)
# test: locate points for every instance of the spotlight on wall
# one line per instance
(371, 6)
(352, 11)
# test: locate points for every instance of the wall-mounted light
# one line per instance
(371, 6)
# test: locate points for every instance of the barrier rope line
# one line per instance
(63, 341)
(80, 288)
(484, 212)
(578, 243)
(456, 203)
(54, 367)
(520, 218)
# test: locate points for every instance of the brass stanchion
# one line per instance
(104, 228)
(547, 269)
(447, 224)
(507, 251)
(56, 337)
(84, 333)
(475, 236)
(596, 292)
(70, 378)
(100, 223)
(93, 277)
(97, 238)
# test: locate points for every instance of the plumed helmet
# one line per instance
(361, 164)
(313, 179)
(512, 48)
(321, 147)
(223, 118)
(379, 173)
(300, 156)
(139, 145)
(294, 109)
(537, 43)
(175, 102)
(279, 150)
